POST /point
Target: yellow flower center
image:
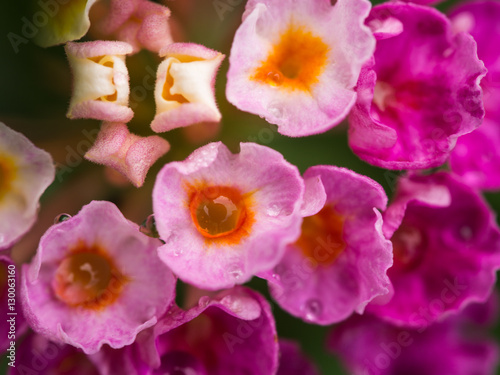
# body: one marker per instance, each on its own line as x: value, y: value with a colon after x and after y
x: 295, y: 62
x: 322, y: 236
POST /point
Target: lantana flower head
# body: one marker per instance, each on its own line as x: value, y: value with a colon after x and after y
x: 296, y: 63
x: 129, y: 154
x: 224, y: 217
x: 476, y: 158
x: 95, y: 279
x: 100, y: 81
x: 185, y: 81
x: 25, y: 172
x: 340, y: 261
x: 446, y: 250
x: 367, y: 345
x: 419, y: 93
x: 141, y: 23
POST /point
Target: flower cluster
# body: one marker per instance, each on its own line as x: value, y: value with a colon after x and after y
x: 405, y: 267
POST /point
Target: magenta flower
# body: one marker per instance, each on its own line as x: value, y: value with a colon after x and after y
x: 95, y: 279
x: 368, y: 345
x: 296, y: 63
x: 446, y: 250
x: 476, y: 157
x: 25, y: 172
x: 231, y: 334
x: 37, y: 355
x: 185, y: 82
x: 129, y: 154
x: 340, y: 261
x: 419, y: 93
x: 141, y: 23
x: 293, y: 361
x: 100, y: 81
x: 225, y: 217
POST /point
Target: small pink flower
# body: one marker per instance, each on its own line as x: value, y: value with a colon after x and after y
x: 100, y: 81
x: 340, y: 261
x: 96, y: 279
x: 25, y: 172
x: 224, y: 217
x: 185, y: 82
x: 141, y: 23
x: 419, y: 93
x: 296, y: 63
x: 129, y: 154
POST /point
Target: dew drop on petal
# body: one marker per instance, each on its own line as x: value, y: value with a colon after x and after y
x: 273, y: 210
x: 204, y: 301
x: 275, y: 110
x: 235, y: 272
x: 62, y: 217
x: 148, y: 227
x: 312, y: 309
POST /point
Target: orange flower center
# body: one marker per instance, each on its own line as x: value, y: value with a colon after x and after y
x: 322, y: 236
x: 7, y: 174
x: 218, y: 211
x: 295, y: 62
x: 88, y: 278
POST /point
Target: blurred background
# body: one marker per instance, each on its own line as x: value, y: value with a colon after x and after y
x: 35, y: 89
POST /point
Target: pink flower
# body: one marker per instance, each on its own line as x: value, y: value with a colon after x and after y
x: 225, y: 217
x: 95, y: 279
x: 232, y: 333
x: 340, y: 261
x: 446, y: 250
x: 141, y: 23
x: 100, y: 81
x: 25, y: 172
x: 296, y: 63
x: 476, y: 158
x: 367, y: 345
x: 185, y: 82
x: 129, y: 154
x: 419, y: 93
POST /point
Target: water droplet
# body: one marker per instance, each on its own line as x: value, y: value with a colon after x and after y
x: 235, y: 272
x: 275, y: 110
x: 313, y: 309
x: 204, y: 301
x: 148, y: 227
x: 275, y: 78
x: 62, y: 217
x: 177, y: 251
x: 276, y: 276
x: 273, y: 210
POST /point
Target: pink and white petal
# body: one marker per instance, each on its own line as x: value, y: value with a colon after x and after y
x: 31, y: 172
x: 314, y: 196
